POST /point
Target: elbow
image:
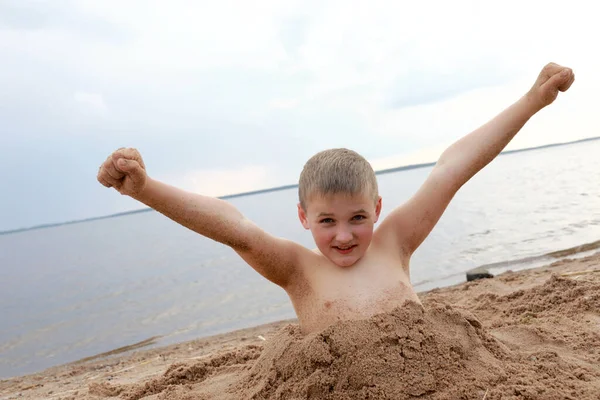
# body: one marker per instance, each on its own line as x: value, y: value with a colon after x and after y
x: 450, y: 176
x: 450, y: 158
x: 237, y: 245
x: 446, y: 157
x: 239, y: 236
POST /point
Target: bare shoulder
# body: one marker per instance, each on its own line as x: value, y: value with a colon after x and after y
x: 279, y: 260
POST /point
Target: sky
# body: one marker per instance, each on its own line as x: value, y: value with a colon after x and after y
x: 224, y: 97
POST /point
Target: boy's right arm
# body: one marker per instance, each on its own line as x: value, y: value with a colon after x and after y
x: 274, y: 258
x: 408, y: 225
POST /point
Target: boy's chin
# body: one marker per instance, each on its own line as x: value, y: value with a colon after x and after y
x: 344, y: 260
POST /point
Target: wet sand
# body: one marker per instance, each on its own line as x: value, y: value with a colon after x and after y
x: 532, y: 334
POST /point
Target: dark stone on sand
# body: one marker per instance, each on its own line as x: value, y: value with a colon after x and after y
x: 478, y: 273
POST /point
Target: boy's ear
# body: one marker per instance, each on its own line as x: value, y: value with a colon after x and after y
x: 302, y: 216
x: 377, y: 208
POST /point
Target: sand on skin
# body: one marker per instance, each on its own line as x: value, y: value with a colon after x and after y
x: 527, y: 335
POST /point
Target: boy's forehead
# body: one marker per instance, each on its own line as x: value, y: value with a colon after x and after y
x: 330, y: 203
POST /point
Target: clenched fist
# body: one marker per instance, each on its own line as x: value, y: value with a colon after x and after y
x: 125, y: 171
x: 553, y: 78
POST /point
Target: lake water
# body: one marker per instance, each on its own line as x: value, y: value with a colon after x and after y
x: 77, y: 290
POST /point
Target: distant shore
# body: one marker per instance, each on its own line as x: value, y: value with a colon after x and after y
x: 279, y: 188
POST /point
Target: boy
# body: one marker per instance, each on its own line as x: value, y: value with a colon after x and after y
x: 356, y: 271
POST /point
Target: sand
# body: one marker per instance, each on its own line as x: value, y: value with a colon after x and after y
x: 522, y: 335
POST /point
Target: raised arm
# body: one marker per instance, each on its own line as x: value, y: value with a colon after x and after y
x: 409, y: 224
x: 274, y: 258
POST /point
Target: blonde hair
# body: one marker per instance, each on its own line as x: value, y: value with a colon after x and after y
x: 337, y: 171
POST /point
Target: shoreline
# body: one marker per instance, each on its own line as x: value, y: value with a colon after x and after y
x: 135, y: 364
x: 279, y: 188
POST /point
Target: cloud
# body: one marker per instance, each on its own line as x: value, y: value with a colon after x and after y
x: 292, y: 33
x: 220, y: 182
x: 225, y: 86
x: 58, y: 15
x: 424, y: 86
x: 283, y: 103
x: 91, y: 103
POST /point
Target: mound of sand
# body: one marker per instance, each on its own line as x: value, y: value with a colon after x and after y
x: 408, y: 353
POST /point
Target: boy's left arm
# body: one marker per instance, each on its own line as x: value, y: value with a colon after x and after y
x: 408, y: 225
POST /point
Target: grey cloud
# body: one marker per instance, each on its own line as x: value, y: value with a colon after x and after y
x: 45, y: 181
x: 420, y: 87
x: 58, y: 15
x: 50, y: 154
x: 50, y: 177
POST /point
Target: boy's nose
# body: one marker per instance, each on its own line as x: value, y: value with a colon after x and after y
x: 343, y: 236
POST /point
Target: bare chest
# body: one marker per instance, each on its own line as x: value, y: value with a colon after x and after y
x: 336, y: 295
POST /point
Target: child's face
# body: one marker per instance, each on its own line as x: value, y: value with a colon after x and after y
x: 341, y: 224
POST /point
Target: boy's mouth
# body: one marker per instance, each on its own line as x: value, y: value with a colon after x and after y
x: 345, y: 249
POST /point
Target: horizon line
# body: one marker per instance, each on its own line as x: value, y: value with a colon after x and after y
x: 279, y: 188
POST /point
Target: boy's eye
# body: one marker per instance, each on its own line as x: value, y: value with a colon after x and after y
x: 358, y: 217
x: 326, y: 220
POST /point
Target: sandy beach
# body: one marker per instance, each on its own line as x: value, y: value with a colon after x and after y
x: 532, y: 334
